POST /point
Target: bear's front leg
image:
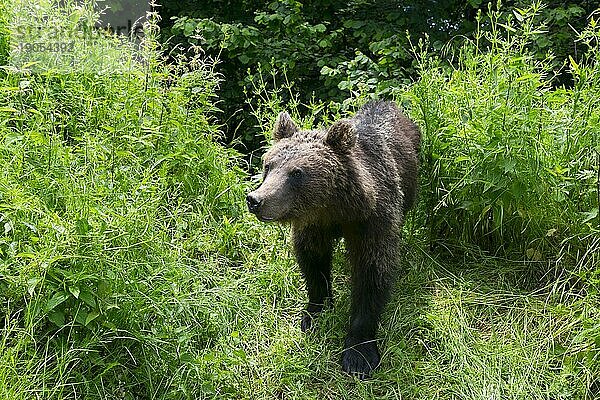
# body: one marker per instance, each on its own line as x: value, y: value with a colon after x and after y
x: 313, y: 247
x: 373, y: 255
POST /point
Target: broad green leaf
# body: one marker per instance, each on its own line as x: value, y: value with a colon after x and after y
x: 88, y: 298
x: 57, y: 318
x: 32, y: 283
x: 91, y: 316
x: 74, y: 291
x: 81, y: 317
x: 590, y: 215
x: 55, y: 300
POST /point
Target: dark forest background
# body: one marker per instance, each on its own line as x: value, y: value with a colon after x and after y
x: 333, y: 50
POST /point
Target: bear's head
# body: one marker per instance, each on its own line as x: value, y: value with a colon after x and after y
x: 305, y: 172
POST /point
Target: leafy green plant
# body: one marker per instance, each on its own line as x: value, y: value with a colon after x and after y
x: 4, y: 35
x: 509, y: 161
x: 130, y: 269
x: 334, y: 50
x: 119, y: 217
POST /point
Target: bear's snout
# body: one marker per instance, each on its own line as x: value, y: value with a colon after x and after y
x: 253, y: 202
x: 262, y: 206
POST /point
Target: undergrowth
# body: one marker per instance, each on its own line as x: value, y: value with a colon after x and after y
x: 512, y: 161
x: 130, y: 269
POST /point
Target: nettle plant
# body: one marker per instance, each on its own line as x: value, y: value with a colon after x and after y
x: 510, y: 161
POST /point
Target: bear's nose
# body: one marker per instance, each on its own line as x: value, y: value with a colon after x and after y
x: 253, y: 203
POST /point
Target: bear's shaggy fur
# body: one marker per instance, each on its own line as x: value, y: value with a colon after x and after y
x: 355, y: 180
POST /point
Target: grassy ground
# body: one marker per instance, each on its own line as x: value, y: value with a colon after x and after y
x: 482, y: 329
x: 129, y: 268
x: 475, y: 330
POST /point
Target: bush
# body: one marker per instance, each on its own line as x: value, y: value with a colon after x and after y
x: 129, y: 268
x: 119, y: 218
x: 510, y: 163
x: 333, y: 50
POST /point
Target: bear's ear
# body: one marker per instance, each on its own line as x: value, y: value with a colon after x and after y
x: 341, y: 136
x: 284, y: 126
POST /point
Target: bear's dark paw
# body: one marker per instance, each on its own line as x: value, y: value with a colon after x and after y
x: 309, y: 315
x: 307, y: 321
x: 360, y: 358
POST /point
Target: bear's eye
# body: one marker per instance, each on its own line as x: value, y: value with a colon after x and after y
x: 266, y: 168
x: 296, y: 173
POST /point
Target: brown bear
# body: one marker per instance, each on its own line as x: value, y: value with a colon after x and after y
x: 355, y: 180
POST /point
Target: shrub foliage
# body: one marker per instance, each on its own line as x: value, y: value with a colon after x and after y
x: 510, y: 161
x: 332, y: 49
x: 130, y: 269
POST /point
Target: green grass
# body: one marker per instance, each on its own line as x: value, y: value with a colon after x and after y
x: 129, y: 268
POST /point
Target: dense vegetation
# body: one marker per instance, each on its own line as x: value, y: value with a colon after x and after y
x: 332, y: 50
x: 130, y: 269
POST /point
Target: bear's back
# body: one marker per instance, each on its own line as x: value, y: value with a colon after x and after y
x: 389, y: 146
